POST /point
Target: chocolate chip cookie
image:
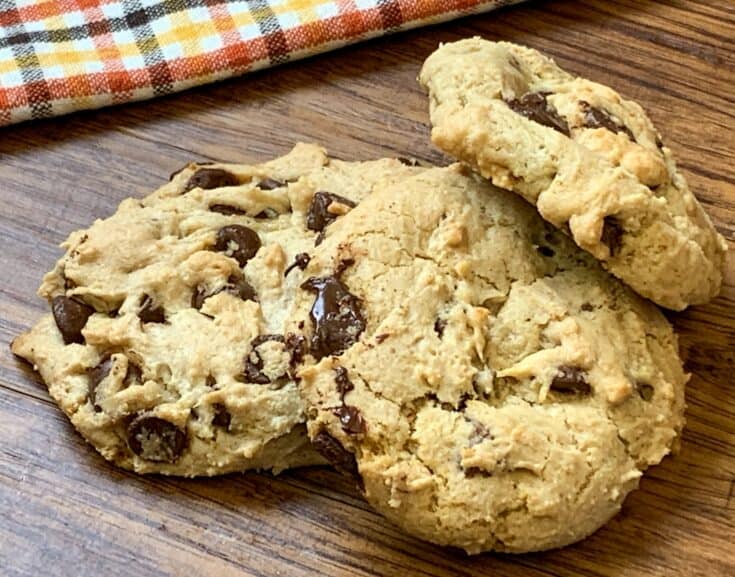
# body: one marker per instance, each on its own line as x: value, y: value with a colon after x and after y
x: 165, y: 344
x: 488, y: 384
x: 590, y: 161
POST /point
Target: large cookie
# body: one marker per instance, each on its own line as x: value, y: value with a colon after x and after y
x: 166, y: 344
x: 487, y: 382
x: 591, y: 162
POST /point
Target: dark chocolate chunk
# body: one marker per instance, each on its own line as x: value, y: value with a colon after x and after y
x: 300, y: 261
x: 96, y: 375
x: 237, y: 241
x: 339, y: 457
x: 598, y: 118
x: 226, y: 209
x: 439, y: 326
x: 236, y: 284
x: 270, y: 184
x: 149, y: 312
x: 645, y: 391
x: 222, y: 417
x: 344, y: 384
x: 155, y: 439
x: 534, y: 106
x: 571, y: 380
x: 612, y: 234
x: 70, y: 315
x: 254, y: 362
x: 350, y: 419
x: 209, y: 178
x: 335, y: 315
x: 319, y: 217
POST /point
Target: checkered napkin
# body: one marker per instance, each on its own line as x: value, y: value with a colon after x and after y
x: 57, y: 56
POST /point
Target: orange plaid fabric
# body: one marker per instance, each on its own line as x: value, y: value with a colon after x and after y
x: 57, y: 56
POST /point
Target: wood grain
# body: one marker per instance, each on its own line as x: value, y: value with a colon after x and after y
x: 64, y: 511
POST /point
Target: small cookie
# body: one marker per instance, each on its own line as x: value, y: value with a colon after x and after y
x: 165, y: 346
x: 591, y: 162
x: 488, y: 383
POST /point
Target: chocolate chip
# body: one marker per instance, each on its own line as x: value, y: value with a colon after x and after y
x: 222, y: 417
x: 226, y: 209
x: 149, y: 312
x: 339, y: 457
x: 175, y: 172
x: 70, y: 315
x: 133, y: 375
x: 267, y: 213
x: 254, y: 362
x: 587, y: 307
x: 335, y: 316
x: 645, y: 391
x: 270, y: 184
x: 534, y: 106
x: 155, y: 439
x: 598, y: 118
x: 570, y: 380
x: 210, y: 381
x: 319, y: 217
x: 408, y: 161
x: 239, y: 242
x: 350, y: 419
x: 296, y: 347
x: 300, y: 261
x: 612, y: 234
x: 199, y: 296
x: 344, y: 384
x: 439, y: 326
x: 95, y: 376
x: 209, y: 178
x: 545, y: 251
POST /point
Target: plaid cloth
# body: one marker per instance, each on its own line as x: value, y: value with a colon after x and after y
x: 57, y: 56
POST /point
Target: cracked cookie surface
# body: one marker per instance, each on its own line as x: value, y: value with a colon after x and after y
x: 489, y: 385
x: 165, y: 346
x: 590, y: 161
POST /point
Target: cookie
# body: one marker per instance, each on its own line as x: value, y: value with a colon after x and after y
x: 165, y: 345
x: 591, y: 162
x: 488, y: 384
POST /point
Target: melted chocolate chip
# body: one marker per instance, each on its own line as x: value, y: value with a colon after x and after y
x: 534, y: 106
x: 239, y: 286
x: 598, y: 118
x: 155, y: 439
x: 96, y: 375
x: 645, y: 391
x: 254, y: 362
x: 571, y: 380
x: 336, y: 316
x: 239, y: 242
x: 222, y: 417
x: 612, y: 234
x: 149, y: 312
x: 439, y: 326
x: 226, y: 209
x: 339, y: 457
x: 270, y: 184
x: 408, y: 161
x: 300, y: 261
x: 209, y: 178
x: 350, y: 419
x: 319, y: 217
x: 70, y: 315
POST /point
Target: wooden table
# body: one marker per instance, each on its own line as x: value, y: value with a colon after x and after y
x: 65, y: 511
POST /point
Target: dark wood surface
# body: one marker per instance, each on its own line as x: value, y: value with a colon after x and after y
x: 65, y: 511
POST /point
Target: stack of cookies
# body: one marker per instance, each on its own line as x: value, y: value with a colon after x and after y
x: 468, y: 342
